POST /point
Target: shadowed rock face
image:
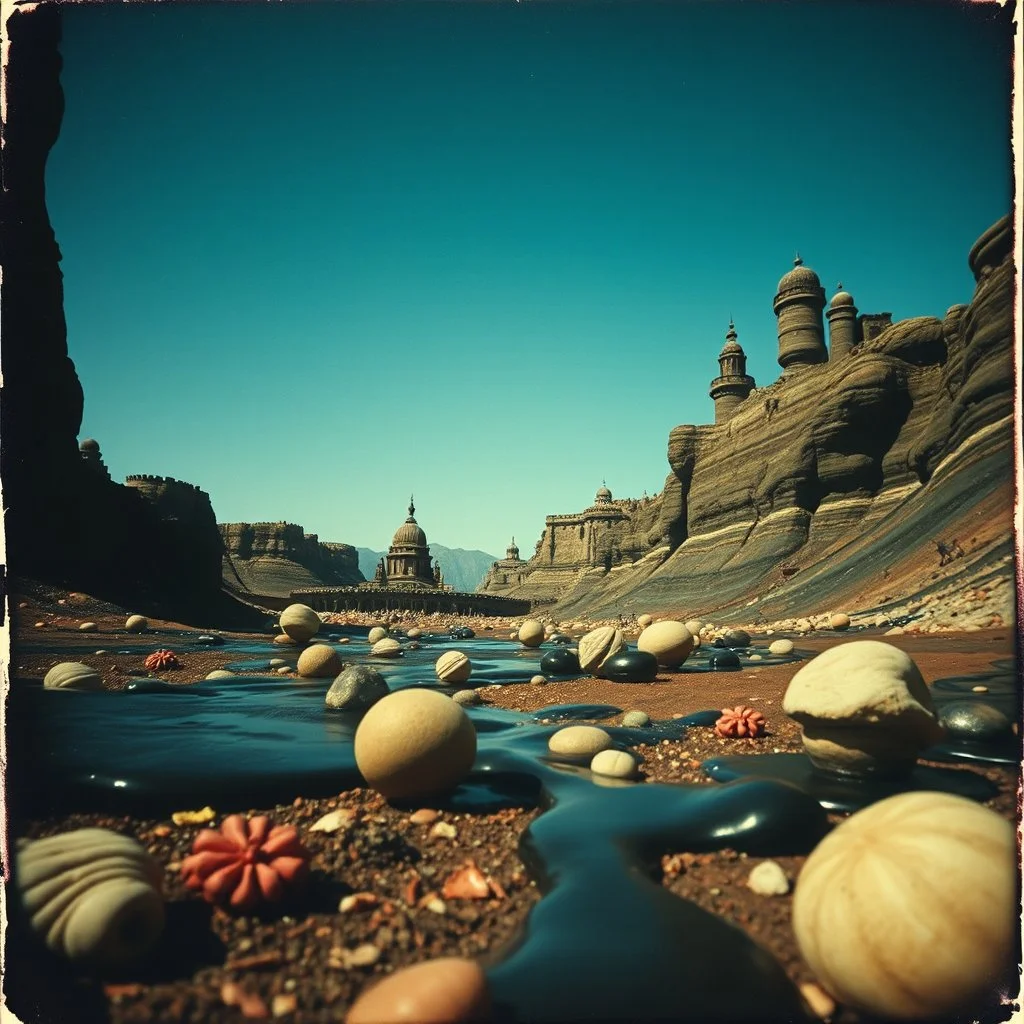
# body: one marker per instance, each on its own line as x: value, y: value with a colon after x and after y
x: 826, y: 454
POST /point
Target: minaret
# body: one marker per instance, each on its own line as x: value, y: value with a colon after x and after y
x: 512, y: 552
x: 732, y: 385
x: 842, y: 324
x: 798, y: 305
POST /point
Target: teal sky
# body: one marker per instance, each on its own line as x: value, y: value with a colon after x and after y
x: 320, y: 256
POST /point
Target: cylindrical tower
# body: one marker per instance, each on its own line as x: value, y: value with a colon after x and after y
x: 732, y: 385
x: 842, y: 324
x: 798, y: 305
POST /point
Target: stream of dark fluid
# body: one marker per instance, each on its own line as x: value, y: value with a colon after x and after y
x: 606, y: 942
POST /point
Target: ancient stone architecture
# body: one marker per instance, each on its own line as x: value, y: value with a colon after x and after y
x: 408, y: 565
x: 842, y: 324
x: 798, y: 305
x: 508, y: 572
x: 732, y: 385
x: 93, y: 458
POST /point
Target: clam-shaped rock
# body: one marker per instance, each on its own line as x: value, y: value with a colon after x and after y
x: 136, y: 624
x: 863, y: 708
x: 386, y: 648
x: 357, y: 688
x: 320, y: 661
x: 414, y: 742
x: 246, y: 863
x: 453, y: 667
x: 531, y: 633
x: 72, y: 675
x: 908, y: 909
x: 92, y: 895
x: 300, y: 622
x: 376, y: 635
x: 670, y: 642
x: 598, y: 645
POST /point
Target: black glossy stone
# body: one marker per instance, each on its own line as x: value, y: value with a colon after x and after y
x: 463, y: 633
x: 719, y: 642
x: 560, y: 662
x: 723, y: 661
x: 630, y: 667
x: 560, y: 638
x: 976, y: 721
x: 210, y: 640
x: 737, y: 638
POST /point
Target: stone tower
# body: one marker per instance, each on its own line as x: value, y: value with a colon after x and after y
x: 409, y: 563
x: 732, y: 385
x: 798, y: 305
x: 842, y: 324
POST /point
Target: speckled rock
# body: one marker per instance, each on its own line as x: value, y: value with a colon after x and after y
x: 453, y: 667
x: 670, y: 642
x: 72, y: 675
x: 780, y: 647
x: 579, y: 741
x: 538, y: 680
x: 414, y: 742
x: 616, y: 764
x: 976, y: 721
x: 531, y: 633
x: 386, y: 648
x: 358, y: 688
x: 320, y: 661
x: 863, y: 708
x: 136, y: 624
x: 598, y: 645
x: 300, y: 622
x: 636, y: 719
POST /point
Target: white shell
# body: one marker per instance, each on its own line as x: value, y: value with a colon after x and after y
x: 598, y: 645
x: 92, y: 895
x: 72, y: 675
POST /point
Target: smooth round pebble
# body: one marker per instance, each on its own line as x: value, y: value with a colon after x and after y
x: 618, y: 764
x: 386, y: 648
x: 284, y: 671
x: 538, y: 680
x: 723, y: 660
x: 975, y: 720
x: 630, y: 667
x: 88, y: 627
x: 755, y: 657
x: 220, y: 673
x: 768, y: 879
x: 531, y: 633
x: 736, y: 638
x: 694, y: 626
x: 636, y: 719
x: 467, y: 698
x: 277, y: 663
x: 320, y: 661
x: 136, y: 624
x: 643, y: 621
x: 284, y: 640
x: 579, y: 741
x: 453, y: 667
x: 376, y: 634
x: 670, y: 642
x: 560, y: 662
x: 300, y: 622
x: 780, y: 647
x: 839, y: 620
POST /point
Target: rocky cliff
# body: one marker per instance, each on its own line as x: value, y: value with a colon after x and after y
x: 276, y: 558
x: 824, y: 480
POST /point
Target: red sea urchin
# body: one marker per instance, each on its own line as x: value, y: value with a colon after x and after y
x: 162, y: 659
x: 246, y: 862
x: 740, y: 721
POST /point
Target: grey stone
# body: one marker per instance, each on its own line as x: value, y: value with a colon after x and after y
x: 356, y: 689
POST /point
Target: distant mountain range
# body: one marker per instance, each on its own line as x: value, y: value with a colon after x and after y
x: 463, y: 570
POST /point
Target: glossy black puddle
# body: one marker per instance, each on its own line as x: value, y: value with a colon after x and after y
x: 607, y: 941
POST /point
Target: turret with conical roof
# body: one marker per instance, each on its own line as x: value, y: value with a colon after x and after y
x: 733, y: 384
x: 798, y: 305
x: 842, y: 324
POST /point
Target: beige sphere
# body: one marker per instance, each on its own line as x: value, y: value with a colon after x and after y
x: 531, y: 633
x: 643, y: 621
x: 137, y: 624
x: 300, y: 622
x: 376, y: 635
x: 782, y: 646
x: 839, y: 620
x: 453, y: 667
x: 320, y: 661
x: 618, y: 764
x: 284, y: 640
x: 669, y: 641
x: 694, y: 626
x: 415, y: 633
x: 88, y: 627
x: 579, y: 741
x: 907, y: 909
x: 72, y: 675
x: 445, y: 991
x: 386, y: 648
x: 414, y: 742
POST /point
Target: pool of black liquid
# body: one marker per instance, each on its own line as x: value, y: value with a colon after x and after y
x: 606, y: 942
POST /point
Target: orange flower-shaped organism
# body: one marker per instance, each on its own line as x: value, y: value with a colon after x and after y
x: 740, y: 721
x: 162, y: 659
x: 246, y: 863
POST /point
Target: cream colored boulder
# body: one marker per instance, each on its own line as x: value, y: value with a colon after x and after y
x: 579, y: 741
x: 453, y: 667
x: 694, y: 626
x: 643, y: 621
x: 669, y: 641
x: 221, y: 673
x: 908, y: 908
x: 300, y: 622
x: 72, y: 675
x: 376, y: 635
x: 284, y: 640
x: 597, y: 646
x: 839, y: 620
x: 136, y: 624
x: 863, y: 708
x: 780, y: 647
x: 88, y: 627
x: 617, y: 764
x: 415, y: 742
x: 386, y: 648
x: 442, y: 991
x: 531, y: 633
x: 320, y: 661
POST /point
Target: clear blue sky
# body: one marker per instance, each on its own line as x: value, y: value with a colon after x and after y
x: 320, y: 256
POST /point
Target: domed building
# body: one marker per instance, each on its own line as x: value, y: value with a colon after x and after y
x: 506, y: 573
x: 842, y: 324
x: 798, y: 305
x: 733, y: 384
x: 408, y: 563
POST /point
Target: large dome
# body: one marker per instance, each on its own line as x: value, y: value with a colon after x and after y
x: 409, y: 534
x: 800, y: 277
x: 603, y: 495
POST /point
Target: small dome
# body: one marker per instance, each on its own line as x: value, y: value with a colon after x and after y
x: 800, y: 277
x: 732, y: 346
x: 841, y: 298
x: 409, y: 534
x: 88, y: 444
x: 603, y: 494
x: 512, y: 552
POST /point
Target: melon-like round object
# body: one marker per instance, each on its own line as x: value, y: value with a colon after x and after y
x: 136, y: 624
x: 376, y: 635
x: 597, y: 646
x: 72, y: 675
x: 320, y: 661
x: 839, y: 620
x: 300, y: 622
x: 669, y: 641
x: 908, y: 908
x: 453, y: 667
x: 414, y: 742
x: 531, y: 633
x: 782, y: 646
x: 386, y: 648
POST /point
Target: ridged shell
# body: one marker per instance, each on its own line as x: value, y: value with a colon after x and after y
x: 599, y: 644
x: 386, y: 648
x: 72, y: 675
x: 92, y: 895
x: 300, y: 622
x: 453, y: 667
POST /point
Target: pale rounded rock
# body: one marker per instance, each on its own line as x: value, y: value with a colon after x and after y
x: 597, y: 646
x: 415, y: 633
x: 694, y: 626
x: 300, y: 622
x: 320, y: 661
x: 768, y: 879
x: 88, y: 627
x: 539, y: 680
x: 376, y: 635
x: 220, y: 673
x: 136, y: 624
x: 669, y: 641
x: 781, y: 647
x: 277, y: 662
x: 636, y: 719
x: 531, y: 633
x: 579, y: 741
x: 284, y: 640
x: 467, y: 698
x: 414, y: 742
x: 358, y: 688
x: 907, y: 908
x: 285, y: 670
x: 453, y: 667
x: 617, y: 764
x: 72, y: 675
x: 643, y: 621
x: 839, y: 620
x: 386, y: 648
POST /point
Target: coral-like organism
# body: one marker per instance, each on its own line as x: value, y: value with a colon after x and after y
x: 159, y: 660
x: 740, y: 721
x: 246, y: 862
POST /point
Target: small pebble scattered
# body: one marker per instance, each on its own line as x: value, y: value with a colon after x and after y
x: 768, y: 879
